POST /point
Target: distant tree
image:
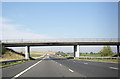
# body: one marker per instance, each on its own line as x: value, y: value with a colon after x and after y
x: 91, y: 53
x: 64, y: 54
x: 106, y: 51
x: 80, y: 53
x: 61, y: 53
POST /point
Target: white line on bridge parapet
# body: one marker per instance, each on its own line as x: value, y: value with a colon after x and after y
x: 60, y: 39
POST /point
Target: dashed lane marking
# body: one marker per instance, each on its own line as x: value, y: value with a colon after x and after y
x: 113, y: 68
x: 60, y: 64
x: 71, y: 70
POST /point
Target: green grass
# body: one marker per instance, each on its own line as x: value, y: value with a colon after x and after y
x: 61, y: 57
x: 93, y: 55
x: 35, y: 55
x: 96, y: 55
x: 12, y: 63
x: 103, y: 60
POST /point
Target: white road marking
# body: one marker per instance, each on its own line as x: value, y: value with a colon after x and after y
x: 44, y: 58
x: 71, y: 70
x: 60, y: 64
x: 113, y: 68
x: 85, y: 63
x: 26, y: 70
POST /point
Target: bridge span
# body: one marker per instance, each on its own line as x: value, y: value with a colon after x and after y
x: 76, y: 45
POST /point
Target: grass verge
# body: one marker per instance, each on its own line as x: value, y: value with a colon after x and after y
x: 103, y: 60
x: 36, y: 56
x: 94, y: 55
x: 60, y: 57
x: 2, y: 65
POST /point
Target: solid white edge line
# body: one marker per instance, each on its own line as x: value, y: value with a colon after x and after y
x: 113, y: 68
x: 71, y: 70
x: 26, y: 70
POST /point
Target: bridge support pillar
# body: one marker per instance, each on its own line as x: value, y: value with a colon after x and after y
x: 27, y: 52
x: 76, y: 51
x: 118, y: 50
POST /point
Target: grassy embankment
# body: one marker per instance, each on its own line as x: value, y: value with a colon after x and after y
x: 98, y: 55
x: 9, y: 54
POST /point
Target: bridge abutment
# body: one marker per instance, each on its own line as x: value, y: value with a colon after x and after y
x: 76, y: 51
x: 118, y: 54
x: 27, y: 52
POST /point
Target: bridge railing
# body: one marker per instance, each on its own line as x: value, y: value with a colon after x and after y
x: 59, y: 39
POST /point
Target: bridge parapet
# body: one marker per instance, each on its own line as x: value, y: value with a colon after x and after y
x: 59, y: 40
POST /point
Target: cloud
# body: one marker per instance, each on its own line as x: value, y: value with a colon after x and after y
x: 13, y: 31
x: 4, y: 20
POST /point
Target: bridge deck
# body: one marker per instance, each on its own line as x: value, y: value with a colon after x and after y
x: 59, y: 43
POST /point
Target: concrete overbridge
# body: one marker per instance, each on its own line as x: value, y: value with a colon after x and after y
x: 76, y: 45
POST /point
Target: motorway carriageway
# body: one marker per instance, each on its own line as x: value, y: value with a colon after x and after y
x: 49, y: 66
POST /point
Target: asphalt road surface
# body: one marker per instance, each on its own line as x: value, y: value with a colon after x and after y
x: 58, y: 67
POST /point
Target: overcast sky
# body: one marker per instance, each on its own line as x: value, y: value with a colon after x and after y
x: 46, y: 20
